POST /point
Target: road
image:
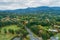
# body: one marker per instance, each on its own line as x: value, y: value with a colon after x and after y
x: 32, y: 37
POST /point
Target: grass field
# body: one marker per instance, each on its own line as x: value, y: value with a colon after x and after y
x: 8, y: 36
x: 14, y: 27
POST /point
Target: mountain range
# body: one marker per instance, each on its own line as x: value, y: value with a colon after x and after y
x: 36, y: 9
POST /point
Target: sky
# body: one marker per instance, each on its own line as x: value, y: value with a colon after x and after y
x: 22, y: 4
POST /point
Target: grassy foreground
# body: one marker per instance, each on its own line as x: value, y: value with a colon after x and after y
x: 8, y: 36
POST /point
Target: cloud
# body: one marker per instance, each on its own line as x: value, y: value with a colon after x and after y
x: 16, y: 4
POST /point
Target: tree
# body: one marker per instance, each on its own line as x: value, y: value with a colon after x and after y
x: 11, y: 31
x: 5, y: 31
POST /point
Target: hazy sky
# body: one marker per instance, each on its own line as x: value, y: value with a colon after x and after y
x: 16, y: 4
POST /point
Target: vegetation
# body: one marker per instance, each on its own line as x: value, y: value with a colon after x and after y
x: 12, y: 24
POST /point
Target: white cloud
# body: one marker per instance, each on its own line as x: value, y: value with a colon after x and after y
x: 15, y: 4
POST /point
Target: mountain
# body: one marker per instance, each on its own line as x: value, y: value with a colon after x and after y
x: 36, y: 9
